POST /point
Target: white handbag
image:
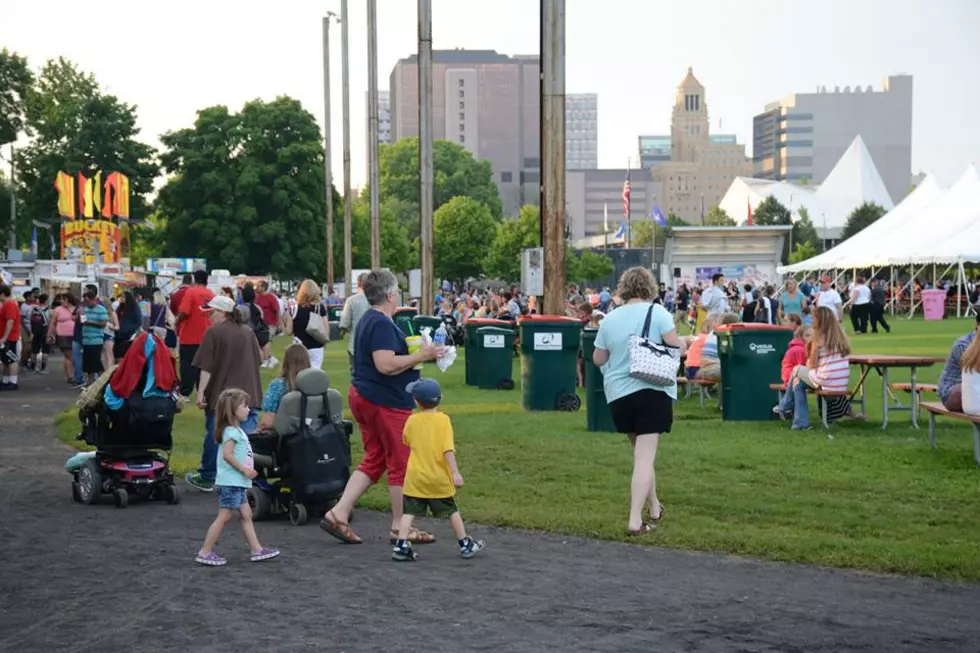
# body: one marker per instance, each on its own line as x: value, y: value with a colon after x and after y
x: 652, y: 362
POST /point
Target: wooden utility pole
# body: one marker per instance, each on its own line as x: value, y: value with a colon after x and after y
x: 373, y: 176
x: 348, y: 200
x: 328, y: 174
x: 553, y: 154
x: 426, y: 184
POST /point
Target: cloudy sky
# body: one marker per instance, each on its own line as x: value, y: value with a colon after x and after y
x: 173, y: 58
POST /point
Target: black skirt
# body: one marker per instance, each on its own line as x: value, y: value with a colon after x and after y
x: 643, y: 412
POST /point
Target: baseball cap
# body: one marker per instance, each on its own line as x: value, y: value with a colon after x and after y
x: 426, y: 391
x: 219, y: 303
x: 825, y: 279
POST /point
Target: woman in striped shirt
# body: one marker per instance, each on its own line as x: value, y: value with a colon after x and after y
x: 827, y: 367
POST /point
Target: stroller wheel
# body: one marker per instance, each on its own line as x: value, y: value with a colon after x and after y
x: 75, y: 495
x: 122, y: 497
x: 89, y: 482
x: 259, y: 502
x: 171, y: 495
x: 297, y: 514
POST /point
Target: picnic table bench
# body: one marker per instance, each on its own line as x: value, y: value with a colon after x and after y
x: 825, y: 394
x: 882, y: 363
x: 701, y: 384
x: 935, y: 408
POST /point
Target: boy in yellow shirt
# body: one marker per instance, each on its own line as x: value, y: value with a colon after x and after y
x: 432, y: 476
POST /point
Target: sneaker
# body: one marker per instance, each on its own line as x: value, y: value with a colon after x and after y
x: 7, y: 387
x: 273, y: 361
x: 471, y: 547
x: 801, y: 428
x: 265, y: 553
x: 404, y: 554
x: 195, y: 480
x: 211, y: 560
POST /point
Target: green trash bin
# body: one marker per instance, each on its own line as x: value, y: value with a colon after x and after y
x: 430, y: 321
x: 471, y: 355
x: 549, y: 357
x: 493, y: 354
x: 751, y: 358
x: 403, y: 319
x: 333, y: 312
x: 597, y: 415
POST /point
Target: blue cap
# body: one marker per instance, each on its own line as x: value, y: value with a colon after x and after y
x: 426, y: 391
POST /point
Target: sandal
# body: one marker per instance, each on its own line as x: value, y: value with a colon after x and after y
x: 415, y: 536
x: 341, y: 530
x: 656, y: 520
x: 645, y: 529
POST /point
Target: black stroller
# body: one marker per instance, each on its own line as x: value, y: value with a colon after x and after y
x: 303, y: 463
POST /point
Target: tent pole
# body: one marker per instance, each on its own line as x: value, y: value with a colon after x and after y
x: 891, y: 288
x: 934, y: 276
x: 960, y: 285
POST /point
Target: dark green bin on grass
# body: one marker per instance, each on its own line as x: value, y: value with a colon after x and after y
x: 471, y: 326
x: 403, y: 320
x: 333, y: 312
x: 549, y: 358
x: 493, y: 358
x: 751, y: 358
x: 597, y: 415
x: 430, y: 321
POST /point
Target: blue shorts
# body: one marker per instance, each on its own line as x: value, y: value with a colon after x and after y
x: 229, y: 497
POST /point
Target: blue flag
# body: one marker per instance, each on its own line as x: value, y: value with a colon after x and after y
x: 658, y: 216
x: 34, y: 241
x: 621, y: 232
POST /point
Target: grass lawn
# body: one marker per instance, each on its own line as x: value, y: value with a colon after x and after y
x: 868, y: 499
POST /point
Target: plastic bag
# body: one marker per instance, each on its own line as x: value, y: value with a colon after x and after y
x: 440, y: 337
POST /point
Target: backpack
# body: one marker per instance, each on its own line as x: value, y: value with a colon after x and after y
x: 39, y: 318
x: 761, y: 313
x: 257, y: 324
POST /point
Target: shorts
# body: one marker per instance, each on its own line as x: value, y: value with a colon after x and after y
x: 439, y: 508
x: 92, y: 359
x: 63, y: 343
x: 230, y: 497
x: 10, y: 353
x: 40, y: 344
x: 382, y: 431
x: 643, y: 412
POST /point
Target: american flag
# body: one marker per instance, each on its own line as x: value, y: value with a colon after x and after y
x: 626, y: 195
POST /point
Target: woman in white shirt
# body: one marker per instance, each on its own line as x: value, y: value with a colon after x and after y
x: 860, y: 303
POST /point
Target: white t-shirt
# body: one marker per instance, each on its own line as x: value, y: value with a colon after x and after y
x: 714, y: 300
x: 831, y: 299
x: 861, y: 294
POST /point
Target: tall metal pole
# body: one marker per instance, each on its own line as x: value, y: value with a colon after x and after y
x: 553, y: 153
x: 373, y: 181
x: 13, y: 201
x: 346, y: 99
x: 426, y: 184
x: 327, y: 145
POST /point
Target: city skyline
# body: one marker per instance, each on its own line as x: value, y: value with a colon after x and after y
x: 218, y: 61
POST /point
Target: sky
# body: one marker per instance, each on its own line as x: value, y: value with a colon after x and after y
x: 174, y: 58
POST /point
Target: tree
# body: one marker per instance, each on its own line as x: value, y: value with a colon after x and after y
x: 717, y: 217
x: 148, y: 240
x: 645, y: 231
x: 770, y: 212
x: 802, y: 252
x: 587, y: 266
x: 76, y: 127
x: 455, y: 173
x: 804, y: 231
x: 16, y: 80
x: 247, y: 191
x: 460, y: 230
x: 512, y: 237
x: 862, y: 217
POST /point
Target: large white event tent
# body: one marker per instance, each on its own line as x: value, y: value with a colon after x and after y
x: 853, y: 181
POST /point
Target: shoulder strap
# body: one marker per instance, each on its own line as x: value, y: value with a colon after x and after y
x: 302, y: 413
x: 646, y: 323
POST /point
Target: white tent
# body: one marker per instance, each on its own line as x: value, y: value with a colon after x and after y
x: 749, y: 191
x: 852, y: 182
x: 928, y: 193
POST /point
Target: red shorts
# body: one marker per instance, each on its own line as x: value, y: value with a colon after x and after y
x: 382, y: 431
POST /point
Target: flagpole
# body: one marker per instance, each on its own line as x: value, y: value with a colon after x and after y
x: 629, y: 207
x: 605, y: 225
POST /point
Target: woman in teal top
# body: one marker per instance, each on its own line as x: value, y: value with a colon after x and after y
x: 791, y: 301
x: 641, y: 410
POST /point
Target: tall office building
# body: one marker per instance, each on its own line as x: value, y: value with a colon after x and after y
x: 384, y: 122
x: 581, y: 131
x: 803, y: 135
x: 701, y: 166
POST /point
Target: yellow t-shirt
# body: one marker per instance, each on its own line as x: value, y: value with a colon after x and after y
x: 430, y: 436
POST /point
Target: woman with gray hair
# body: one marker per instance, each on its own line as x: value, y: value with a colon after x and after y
x: 382, y: 368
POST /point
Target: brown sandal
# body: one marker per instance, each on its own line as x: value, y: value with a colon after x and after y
x: 656, y: 520
x: 415, y: 536
x: 341, y: 530
x: 645, y: 529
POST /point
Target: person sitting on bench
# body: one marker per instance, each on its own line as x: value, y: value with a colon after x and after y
x: 950, y: 387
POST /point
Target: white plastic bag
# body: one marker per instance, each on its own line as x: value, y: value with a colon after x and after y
x: 971, y: 393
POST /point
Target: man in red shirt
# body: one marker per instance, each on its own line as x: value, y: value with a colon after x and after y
x: 9, y: 338
x: 178, y: 295
x: 269, y: 304
x: 192, y: 322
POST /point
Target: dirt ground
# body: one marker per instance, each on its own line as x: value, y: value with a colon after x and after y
x: 93, y: 578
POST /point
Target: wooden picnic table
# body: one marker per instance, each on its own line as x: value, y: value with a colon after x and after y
x: 881, y: 363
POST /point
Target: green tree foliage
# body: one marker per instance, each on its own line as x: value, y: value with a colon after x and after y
x: 16, y: 80
x: 804, y: 231
x: 644, y: 231
x: 462, y: 227
x: 717, y: 217
x: 148, y: 240
x: 863, y: 216
x: 247, y: 191
x: 76, y: 127
x: 770, y: 212
x: 455, y: 172
x: 584, y: 266
x: 802, y: 252
x: 512, y: 237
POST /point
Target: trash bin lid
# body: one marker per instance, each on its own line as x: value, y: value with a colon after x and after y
x: 488, y: 321
x: 495, y: 329
x: 406, y: 309
x: 551, y: 319
x: 752, y: 326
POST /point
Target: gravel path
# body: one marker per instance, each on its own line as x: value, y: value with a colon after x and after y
x: 92, y: 578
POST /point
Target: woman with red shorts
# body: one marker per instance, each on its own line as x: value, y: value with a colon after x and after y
x: 381, y: 405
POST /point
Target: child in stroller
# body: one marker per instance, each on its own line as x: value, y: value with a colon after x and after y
x: 303, y: 462
x: 129, y: 421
